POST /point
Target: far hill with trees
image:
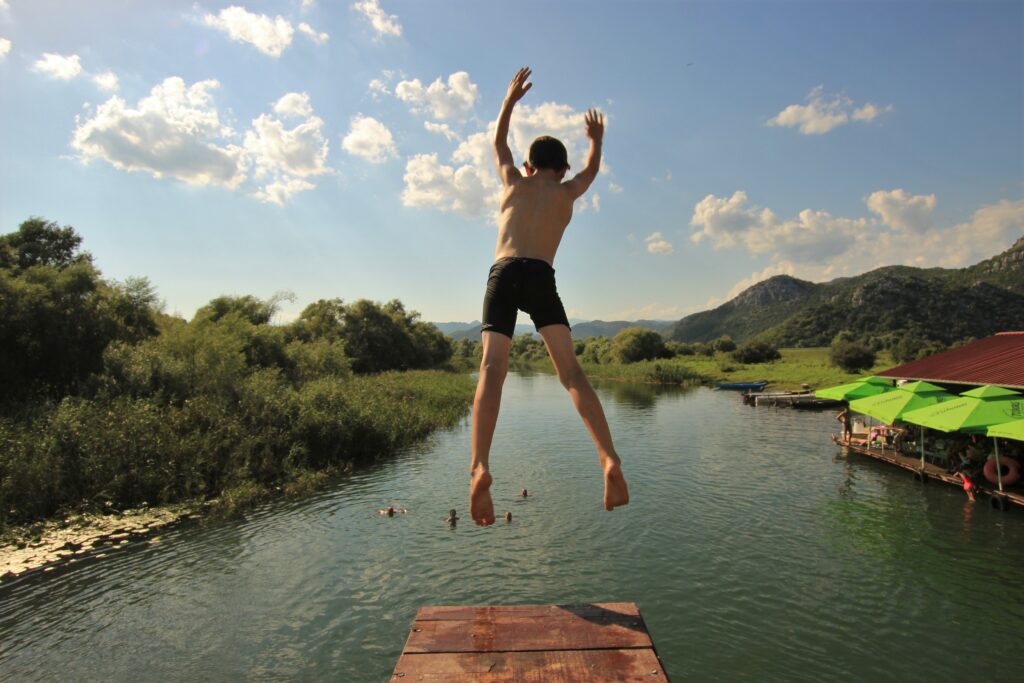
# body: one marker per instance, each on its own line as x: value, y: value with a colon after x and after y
x: 882, y: 306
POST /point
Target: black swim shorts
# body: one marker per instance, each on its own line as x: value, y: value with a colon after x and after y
x: 521, y: 284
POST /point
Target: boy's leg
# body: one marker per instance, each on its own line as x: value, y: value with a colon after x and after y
x: 493, y: 369
x: 559, y: 343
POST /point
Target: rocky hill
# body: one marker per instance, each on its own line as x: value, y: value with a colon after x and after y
x: 944, y: 305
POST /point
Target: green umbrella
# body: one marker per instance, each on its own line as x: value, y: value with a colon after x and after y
x: 891, y: 405
x: 975, y: 410
x: 1008, y: 430
x: 868, y: 386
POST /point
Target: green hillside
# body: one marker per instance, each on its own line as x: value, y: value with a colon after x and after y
x: 939, y: 304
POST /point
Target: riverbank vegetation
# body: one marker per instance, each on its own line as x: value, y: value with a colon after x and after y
x: 111, y: 404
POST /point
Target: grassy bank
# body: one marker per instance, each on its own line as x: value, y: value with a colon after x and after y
x: 125, y: 452
x: 795, y: 368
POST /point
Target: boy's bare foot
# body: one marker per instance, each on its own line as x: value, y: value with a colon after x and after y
x: 615, y: 491
x: 481, y: 507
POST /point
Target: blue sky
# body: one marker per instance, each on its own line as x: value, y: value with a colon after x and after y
x: 334, y: 148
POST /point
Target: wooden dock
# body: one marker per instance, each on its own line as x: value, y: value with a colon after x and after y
x: 1010, y: 495
x: 530, y: 644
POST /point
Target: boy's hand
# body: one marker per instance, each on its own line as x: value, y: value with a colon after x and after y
x: 518, y: 87
x: 594, y: 121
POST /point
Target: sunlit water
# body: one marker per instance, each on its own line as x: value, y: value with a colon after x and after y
x: 755, y: 552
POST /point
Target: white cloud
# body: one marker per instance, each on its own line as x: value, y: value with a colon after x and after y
x: 316, y: 37
x: 378, y: 88
x: 294, y: 104
x: 468, y: 190
x: 818, y: 246
x: 442, y: 129
x: 370, y: 139
x: 383, y: 23
x: 308, y: 4
x: 271, y: 36
x: 58, y: 66
x: 4, y: 4
x: 299, y: 151
x: 5, y: 47
x: 456, y: 99
x: 468, y: 184
x: 656, y: 244
x: 655, y: 311
x: 175, y: 131
x: 106, y: 81
x: 280, y: 191
x: 614, y: 187
x: 901, y: 210
x: 823, y: 113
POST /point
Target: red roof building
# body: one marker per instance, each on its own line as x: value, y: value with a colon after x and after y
x: 997, y: 360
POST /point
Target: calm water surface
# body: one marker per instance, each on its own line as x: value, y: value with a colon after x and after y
x: 755, y: 551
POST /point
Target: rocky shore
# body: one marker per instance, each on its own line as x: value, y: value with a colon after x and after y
x: 66, y: 541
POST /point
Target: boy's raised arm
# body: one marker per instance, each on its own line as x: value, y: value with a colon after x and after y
x: 594, y: 121
x: 503, y: 155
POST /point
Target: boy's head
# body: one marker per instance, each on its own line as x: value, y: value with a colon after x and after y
x: 549, y: 153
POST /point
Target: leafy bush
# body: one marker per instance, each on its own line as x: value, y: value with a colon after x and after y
x: 910, y: 348
x: 724, y: 344
x: 635, y: 344
x: 852, y: 356
x: 756, y: 352
x: 596, y: 350
x: 677, y: 348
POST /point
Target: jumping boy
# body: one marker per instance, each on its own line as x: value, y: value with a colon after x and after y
x: 535, y: 211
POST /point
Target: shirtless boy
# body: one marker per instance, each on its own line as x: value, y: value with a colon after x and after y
x: 535, y: 210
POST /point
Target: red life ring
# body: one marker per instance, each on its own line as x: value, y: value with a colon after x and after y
x: 1011, y: 476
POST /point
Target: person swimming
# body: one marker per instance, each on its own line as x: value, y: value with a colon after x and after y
x: 391, y: 511
x: 452, y: 517
x: 508, y: 516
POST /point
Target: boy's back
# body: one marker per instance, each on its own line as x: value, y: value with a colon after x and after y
x: 534, y: 214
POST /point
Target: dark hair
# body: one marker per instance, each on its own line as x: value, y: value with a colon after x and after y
x: 548, y: 152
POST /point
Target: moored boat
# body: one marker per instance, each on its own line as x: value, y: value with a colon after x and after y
x: 743, y: 386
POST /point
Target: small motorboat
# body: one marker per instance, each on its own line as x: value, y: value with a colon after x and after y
x: 743, y: 386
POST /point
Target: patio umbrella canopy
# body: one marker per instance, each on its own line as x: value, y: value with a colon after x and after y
x: 891, y: 405
x: 974, y: 410
x: 1008, y: 430
x: 862, y: 388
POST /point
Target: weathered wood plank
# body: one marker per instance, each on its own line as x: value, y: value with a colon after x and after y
x: 513, y: 633
x: 461, y: 612
x: 564, y: 666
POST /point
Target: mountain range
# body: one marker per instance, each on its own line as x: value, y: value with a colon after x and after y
x: 942, y: 304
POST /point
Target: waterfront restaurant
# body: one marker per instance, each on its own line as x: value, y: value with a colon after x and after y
x: 987, y: 374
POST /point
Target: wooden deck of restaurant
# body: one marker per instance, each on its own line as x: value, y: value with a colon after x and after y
x: 1013, y: 495
x: 530, y: 643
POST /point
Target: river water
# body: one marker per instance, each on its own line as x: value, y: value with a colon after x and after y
x: 755, y: 551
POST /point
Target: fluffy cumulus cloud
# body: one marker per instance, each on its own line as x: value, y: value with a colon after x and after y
x: 175, y: 131
x: 285, y: 157
x: 454, y: 99
x: 468, y: 185
x: 383, y: 24
x: 5, y: 47
x: 271, y: 36
x: 816, y: 245
x: 106, y: 81
x: 823, y: 112
x: 313, y: 34
x: 58, y: 66
x: 369, y: 139
x: 656, y: 244
x: 441, y: 129
x: 900, y: 210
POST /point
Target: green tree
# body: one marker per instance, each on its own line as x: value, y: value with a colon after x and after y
x: 852, y: 356
x: 636, y: 344
x: 724, y: 344
x: 756, y: 352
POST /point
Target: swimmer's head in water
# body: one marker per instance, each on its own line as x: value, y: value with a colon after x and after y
x: 508, y: 516
x: 549, y: 153
x: 451, y: 513
x: 523, y: 493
